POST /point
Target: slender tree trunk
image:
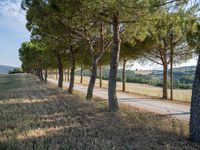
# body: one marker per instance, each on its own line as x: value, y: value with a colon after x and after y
x: 112, y: 95
x: 65, y: 72
x: 60, y: 79
x: 195, y: 107
x: 56, y: 74
x: 171, y: 69
x: 124, y: 76
x: 60, y: 71
x: 81, y: 80
x: 46, y: 75
x: 38, y: 74
x: 100, y: 76
x: 165, y: 80
x: 92, y: 80
x: 41, y: 75
x: 71, y: 83
x: 68, y: 74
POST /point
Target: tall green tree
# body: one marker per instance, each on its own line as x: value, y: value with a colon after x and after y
x: 171, y: 46
x: 194, y: 41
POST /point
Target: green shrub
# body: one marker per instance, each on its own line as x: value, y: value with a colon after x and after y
x: 15, y: 71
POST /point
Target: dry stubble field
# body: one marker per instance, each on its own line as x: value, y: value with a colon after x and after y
x: 39, y: 116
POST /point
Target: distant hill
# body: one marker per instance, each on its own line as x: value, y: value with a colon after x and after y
x: 5, y: 69
x: 187, y: 68
x: 183, y: 76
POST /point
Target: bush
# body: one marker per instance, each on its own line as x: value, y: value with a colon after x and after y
x: 15, y: 71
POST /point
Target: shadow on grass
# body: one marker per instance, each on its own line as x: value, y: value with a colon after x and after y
x: 62, y: 121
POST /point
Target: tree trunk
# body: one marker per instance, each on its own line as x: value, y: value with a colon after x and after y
x: 92, y: 80
x: 46, y: 75
x: 195, y: 107
x: 38, y: 74
x: 112, y: 95
x: 60, y: 71
x: 81, y: 80
x: 71, y: 83
x: 56, y: 74
x: 65, y: 72
x: 164, y: 80
x: 53, y: 74
x: 100, y: 76
x: 41, y: 74
x: 171, y: 79
x: 171, y: 69
x: 124, y: 76
x: 68, y: 74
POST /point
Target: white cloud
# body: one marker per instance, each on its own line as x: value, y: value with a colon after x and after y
x: 12, y: 16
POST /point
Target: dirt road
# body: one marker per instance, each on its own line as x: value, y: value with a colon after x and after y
x: 163, y: 107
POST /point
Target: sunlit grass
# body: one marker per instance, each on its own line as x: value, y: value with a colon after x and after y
x: 45, y: 117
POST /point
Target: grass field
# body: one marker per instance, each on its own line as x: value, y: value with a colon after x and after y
x: 39, y: 116
x: 144, y: 89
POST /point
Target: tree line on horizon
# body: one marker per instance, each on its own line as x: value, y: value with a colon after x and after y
x: 66, y: 35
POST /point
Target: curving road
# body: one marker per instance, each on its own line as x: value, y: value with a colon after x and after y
x: 163, y: 107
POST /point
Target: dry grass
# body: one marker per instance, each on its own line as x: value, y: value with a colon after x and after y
x: 144, y: 89
x: 42, y: 117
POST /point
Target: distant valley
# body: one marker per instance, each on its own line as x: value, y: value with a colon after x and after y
x: 183, y: 76
x: 5, y: 69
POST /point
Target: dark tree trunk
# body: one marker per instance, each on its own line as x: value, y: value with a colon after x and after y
x: 81, y: 80
x: 60, y: 77
x: 41, y: 74
x: 195, y: 107
x: 124, y: 76
x: 100, y: 76
x: 171, y: 68
x: 38, y: 74
x: 171, y: 79
x: 60, y: 71
x: 71, y: 83
x: 112, y: 95
x: 92, y: 80
x: 164, y: 80
x: 56, y: 74
x: 46, y: 75
x: 68, y: 74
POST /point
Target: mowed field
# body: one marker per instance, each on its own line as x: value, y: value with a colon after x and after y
x: 144, y: 89
x: 39, y: 116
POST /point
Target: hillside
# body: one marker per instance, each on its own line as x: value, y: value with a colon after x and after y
x: 183, y: 76
x: 5, y: 69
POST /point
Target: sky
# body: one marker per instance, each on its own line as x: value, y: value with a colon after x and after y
x: 13, y: 32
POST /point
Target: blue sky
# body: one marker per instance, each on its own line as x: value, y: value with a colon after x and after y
x: 13, y: 32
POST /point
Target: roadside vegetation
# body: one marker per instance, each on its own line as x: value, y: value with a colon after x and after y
x: 35, y: 115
